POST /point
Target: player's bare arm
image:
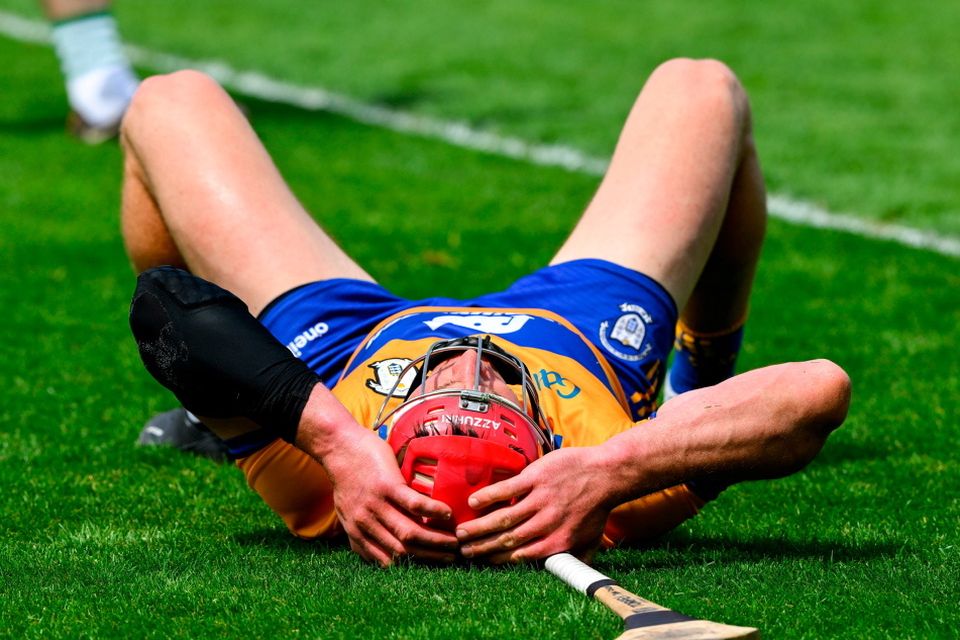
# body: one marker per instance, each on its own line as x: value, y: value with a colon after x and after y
x: 373, y: 502
x: 762, y: 424
x: 200, y: 342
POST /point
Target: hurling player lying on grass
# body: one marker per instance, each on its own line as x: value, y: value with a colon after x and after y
x: 506, y: 427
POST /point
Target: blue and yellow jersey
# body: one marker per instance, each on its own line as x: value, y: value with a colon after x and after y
x: 581, y: 378
x: 579, y: 391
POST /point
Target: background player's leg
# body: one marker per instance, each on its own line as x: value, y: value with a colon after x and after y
x: 683, y: 199
x: 97, y: 74
x: 200, y: 191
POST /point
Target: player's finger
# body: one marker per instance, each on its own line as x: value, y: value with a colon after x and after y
x: 502, y: 491
x: 418, y: 504
x: 369, y: 552
x: 542, y: 541
x: 492, y: 524
x: 505, y: 541
x: 412, y: 533
x: 379, y: 541
x: 535, y: 550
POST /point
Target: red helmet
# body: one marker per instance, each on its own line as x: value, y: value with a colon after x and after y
x: 452, y: 442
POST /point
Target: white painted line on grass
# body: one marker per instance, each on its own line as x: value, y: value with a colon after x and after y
x: 461, y: 134
x: 810, y: 215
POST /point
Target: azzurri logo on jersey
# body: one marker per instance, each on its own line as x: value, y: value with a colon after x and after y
x: 624, y: 336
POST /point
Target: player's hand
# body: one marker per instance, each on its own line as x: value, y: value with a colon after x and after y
x: 381, y: 515
x: 562, y: 504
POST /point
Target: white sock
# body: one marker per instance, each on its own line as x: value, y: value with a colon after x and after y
x: 101, y: 96
x: 99, y: 79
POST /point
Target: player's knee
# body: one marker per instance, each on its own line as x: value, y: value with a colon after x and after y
x: 705, y: 84
x: 706, y: 77
x: 163, y: 96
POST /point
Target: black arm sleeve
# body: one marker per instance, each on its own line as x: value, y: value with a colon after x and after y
x: 200, y: 341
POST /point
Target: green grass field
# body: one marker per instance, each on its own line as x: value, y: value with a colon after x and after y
x: 855, y: 107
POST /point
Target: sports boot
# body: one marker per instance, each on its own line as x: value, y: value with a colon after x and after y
x: 181, y: 430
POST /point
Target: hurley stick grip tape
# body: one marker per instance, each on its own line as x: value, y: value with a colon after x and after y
x: 577, y: 574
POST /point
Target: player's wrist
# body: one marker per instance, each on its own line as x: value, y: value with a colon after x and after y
x: 619, y: 464
x: 326, y: 427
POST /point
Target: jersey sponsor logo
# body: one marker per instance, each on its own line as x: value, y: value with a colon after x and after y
x: 303, y: 339
x: 555, y: 382
x: 385, y: 374
x: 628, y: 331
x: 482, y: 321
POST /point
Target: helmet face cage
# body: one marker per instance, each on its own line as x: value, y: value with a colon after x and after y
x: 473, y: 399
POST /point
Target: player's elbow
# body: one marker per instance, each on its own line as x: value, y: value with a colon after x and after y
x: 821, y: 402
x: 829, y: 393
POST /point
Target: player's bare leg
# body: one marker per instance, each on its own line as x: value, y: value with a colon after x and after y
x: 683, y: 190
x: 684, y: 203
x: 61, y: 9
x: 201, y: 191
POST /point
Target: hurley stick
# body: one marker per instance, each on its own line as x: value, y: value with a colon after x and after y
x: 642, y: 619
